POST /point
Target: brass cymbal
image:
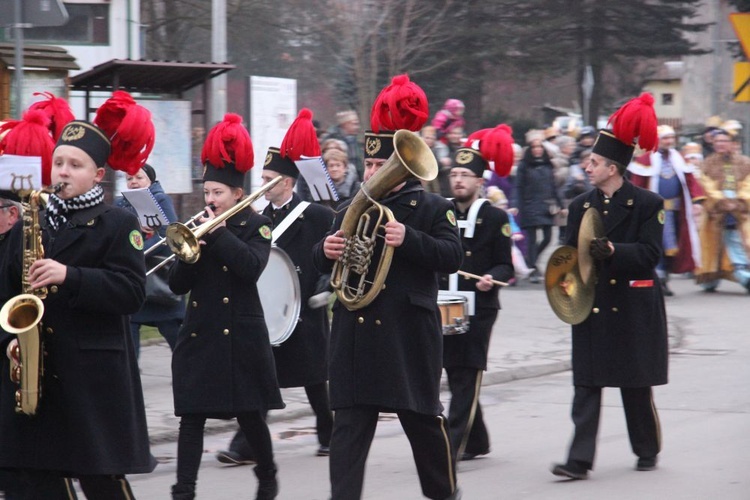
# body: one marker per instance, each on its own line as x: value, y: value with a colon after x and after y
x: 570, y: 298
x: 591, y: 227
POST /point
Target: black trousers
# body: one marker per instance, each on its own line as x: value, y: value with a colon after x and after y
x: 535, y: 249
x: 353, y: 431
x: 467, y: 430
x: 317, y: 395
x: 47, y: 485
x: 190, y: 444
x: 640, y: 414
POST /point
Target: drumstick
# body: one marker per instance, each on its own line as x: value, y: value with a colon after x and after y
x: 477, y: 277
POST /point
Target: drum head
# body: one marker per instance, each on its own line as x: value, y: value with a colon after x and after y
x: 280, y: 296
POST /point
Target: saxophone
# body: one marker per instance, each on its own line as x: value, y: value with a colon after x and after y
x: 22, y: 314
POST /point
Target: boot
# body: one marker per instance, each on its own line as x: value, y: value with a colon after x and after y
x: 268, y: 487
x: 183, y: 491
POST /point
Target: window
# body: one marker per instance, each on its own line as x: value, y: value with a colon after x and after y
x: 87, y: 24
x: 667, y: 99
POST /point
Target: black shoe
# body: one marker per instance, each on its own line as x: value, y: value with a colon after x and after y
x: 268, y: 486
x: 710, y: 289
x: 471, y: 456
x: 570, y: 470
x: 183, y: 491
x: 233, y: 458
x: 324, y: 451
x: 646, y: 464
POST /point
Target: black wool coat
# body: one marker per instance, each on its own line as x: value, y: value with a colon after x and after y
x: 534, y: 192
x: 488, y: 252
x: 303, y: 358
x: 389, y: 354
x: 91, y: 417
x: 222, y: 364
x: 623, y: 342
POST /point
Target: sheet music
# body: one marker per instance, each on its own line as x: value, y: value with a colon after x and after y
x: 150, y: 213
x: 316, y: 175
x: 20, y: 172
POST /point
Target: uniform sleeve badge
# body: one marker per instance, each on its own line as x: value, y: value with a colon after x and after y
x: 662, y: 215
x: 136, y: 239
x: 265, y: 232
x: 451, y: 217
x: 506, y: 230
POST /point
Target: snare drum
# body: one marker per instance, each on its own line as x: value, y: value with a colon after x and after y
x: 454, y: 310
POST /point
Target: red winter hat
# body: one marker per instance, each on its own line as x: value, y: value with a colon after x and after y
x: 29, y: 136
x: 227, y: 152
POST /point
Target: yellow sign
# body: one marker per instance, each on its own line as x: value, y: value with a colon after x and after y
x: 741, y: 87
x: 741, y: 24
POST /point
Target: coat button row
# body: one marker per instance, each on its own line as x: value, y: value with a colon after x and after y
x: 361, y: 320
x: 468, y: 253
x: 613, y: 282
x: 596, y: 310
x: 193, y: 334
x: 194, y: 304
x: 53, y: 289
x: 49, y: 330
x: 224, y: 268
x: 226, y: 331
x: 225, y: 300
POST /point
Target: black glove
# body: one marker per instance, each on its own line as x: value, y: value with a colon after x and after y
x: 600, y: 249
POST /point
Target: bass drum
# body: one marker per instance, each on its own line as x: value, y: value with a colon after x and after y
x: 280, y: 296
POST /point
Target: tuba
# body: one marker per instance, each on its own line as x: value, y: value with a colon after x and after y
x: 365, y: 219
x: 22, y: 314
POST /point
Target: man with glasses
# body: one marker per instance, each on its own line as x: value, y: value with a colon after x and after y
x: 485, y: 238
x: 725, y: 230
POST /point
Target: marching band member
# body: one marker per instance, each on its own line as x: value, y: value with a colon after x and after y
x: 302, y: 360
x: 386, y: 357
x: 90, y: 422
x: 485, y: 237
x: 623, y: 342
x: 222, y: 365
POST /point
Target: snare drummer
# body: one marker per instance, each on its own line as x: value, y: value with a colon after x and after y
x: 301, y: 360
x: 485, y: 237
x: 222, y: 366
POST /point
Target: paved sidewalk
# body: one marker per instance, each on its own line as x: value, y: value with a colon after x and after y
x: 528, y: 341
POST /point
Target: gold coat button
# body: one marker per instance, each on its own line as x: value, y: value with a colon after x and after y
x: 377, y: 322
x: 614, y: 309
x: 225, y: 300
x: 53, y: 289
x: 193, y: 334
x: 226, y: 331
x: 194, y: 304
x: 468, y: 253
x: 606, y: 212
x: 360, y: 320
x: 49, y: 330
x: 613, y: 282
x: 224, y: 268
x: 606, y: 201
x: 595, y: 310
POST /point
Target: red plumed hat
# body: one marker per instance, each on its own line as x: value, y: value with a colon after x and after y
x: 57, y: 109
x: 401, y: 105
x: 29, y: 136
x: 227, y: 152
x: 301, y: 139
x: 495, y: 146
x: 636, y: 118
x: 129, y: 128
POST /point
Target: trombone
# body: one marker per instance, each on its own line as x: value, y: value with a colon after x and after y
x: 185, y: 241
x: 189, y: 222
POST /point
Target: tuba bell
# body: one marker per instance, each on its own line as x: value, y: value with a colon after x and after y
x: 365, y: 220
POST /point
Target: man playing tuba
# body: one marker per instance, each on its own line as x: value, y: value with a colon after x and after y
x: 387, y: 356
